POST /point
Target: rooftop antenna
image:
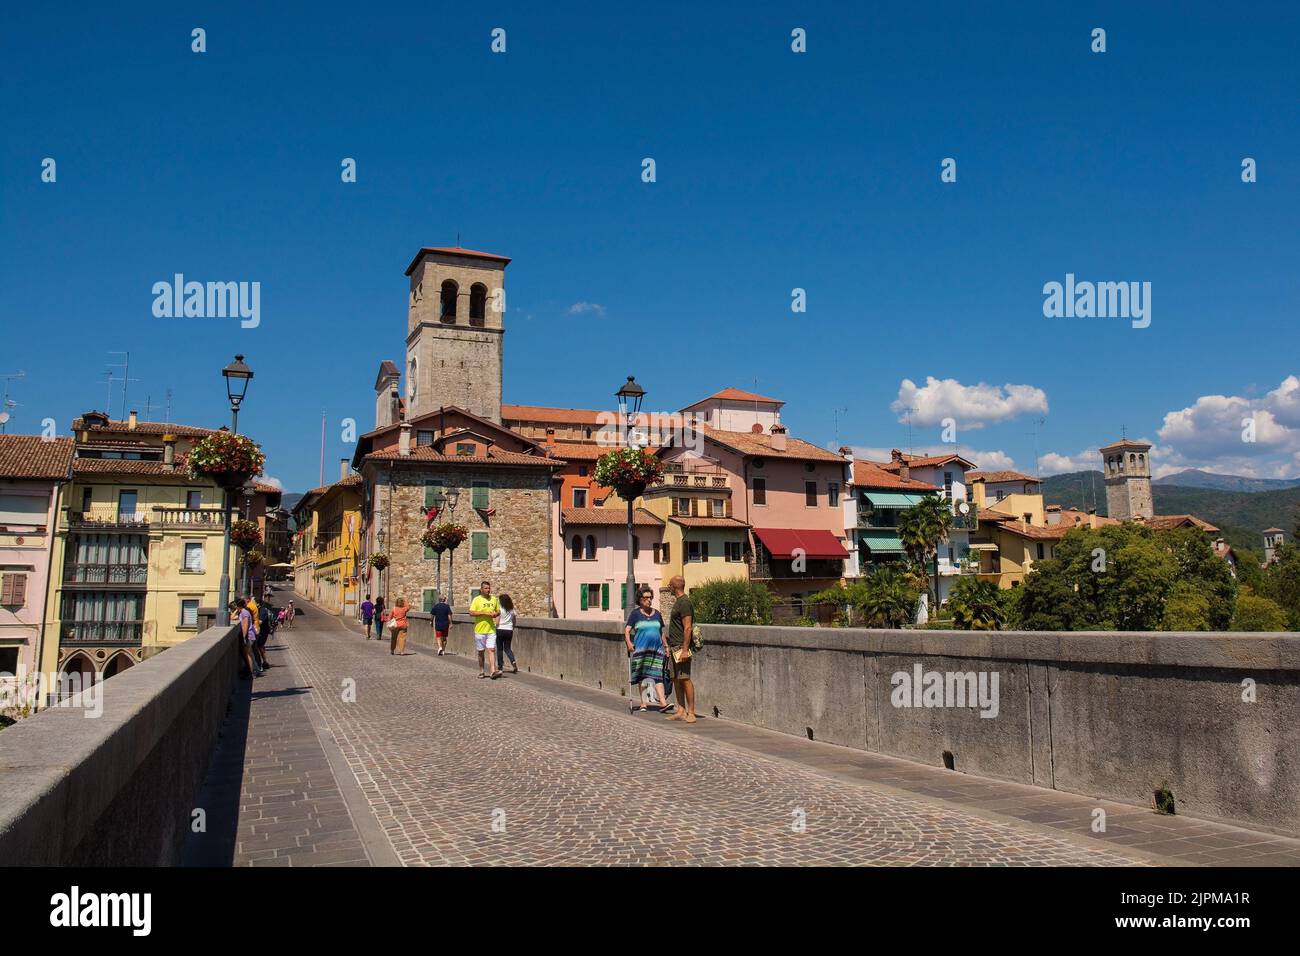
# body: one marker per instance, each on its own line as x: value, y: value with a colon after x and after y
x: 836, y: 412
x: 8, y: 403
x: 908, y: 418
x: 169, y: 406
x: 1034, y: 434
x: 108, y: 406
x: 126, y: 381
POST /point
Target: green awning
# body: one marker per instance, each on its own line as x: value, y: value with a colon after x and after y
x: 892, y: 499
x: 881, y: 542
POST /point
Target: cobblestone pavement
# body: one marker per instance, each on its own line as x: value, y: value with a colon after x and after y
x: 458, y: 770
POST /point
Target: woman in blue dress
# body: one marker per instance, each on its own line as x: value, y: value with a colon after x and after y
x: 644, y: 635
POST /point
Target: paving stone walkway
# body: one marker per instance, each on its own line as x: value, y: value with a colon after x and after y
x: 356, y: 757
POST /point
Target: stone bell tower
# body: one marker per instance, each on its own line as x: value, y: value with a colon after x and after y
x: 455, y: 331
x: 1128, y: 479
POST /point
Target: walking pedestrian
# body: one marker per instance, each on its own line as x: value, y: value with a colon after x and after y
x: 379, y: 617
x: 397, y: 625
x: 506, y: 634
x: 367, y: 614
x: 289, y: 614
x: 247, y: 636
x: 441, y: 623
x: 681, y: 624
x: 647, y: 648
x: 486, y: 610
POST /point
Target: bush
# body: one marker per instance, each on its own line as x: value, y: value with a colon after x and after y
x: 732, y: 601
x: 1186, y: 609
x: 975, y: 605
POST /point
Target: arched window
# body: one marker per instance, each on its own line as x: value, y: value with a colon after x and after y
x: 591, y: 548
x: 412, y: 380
x: 450, y: 292
x: 577, y: 547
x: 1132, y: 460
x: 477, y: 303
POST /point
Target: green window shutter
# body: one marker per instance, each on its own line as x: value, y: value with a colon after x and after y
x: 478, y: 547
x: 604, y: 597
x: 480, y: 497
x: 428, y: 554
x: 704, y: 550
x: 428, y: 600
x: 622, y: 591
x: 582, y: 593
x: 433, y: 494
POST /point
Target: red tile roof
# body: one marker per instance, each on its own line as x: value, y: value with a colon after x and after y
x: 997, y: 476
x: 735, y: 395
x: 1034, y: 532
x: 868, y: 474
x: 758, y: 445
x: 1125, y: 443
x: 1169, y: 522
x: 31, y: 456
x: 119, y: 466
x: 926, y: 461
x: 615, y: 516
x: 576, y: 452
x: 688, y: 522
x: 454, y: 251
x: 424, y: 454
x: 121, y: 428
x: 558, y: 416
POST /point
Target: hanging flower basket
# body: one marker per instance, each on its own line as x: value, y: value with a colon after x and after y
x: 444, y: 537
x: 629, y: 471
x: 379, y: 561
x: 229, y: 460
x: 245, y: 535
x: 253, y: 558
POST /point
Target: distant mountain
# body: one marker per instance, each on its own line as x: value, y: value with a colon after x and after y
x: 1242, y: 516
x: 1194, y: 478
x: 289, y: 499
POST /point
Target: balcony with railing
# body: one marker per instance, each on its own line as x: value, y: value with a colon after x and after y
x: 100, y: 575
x: 108, y: 519
x: 204, y: 518
x: 677, y: 475
x: 102, y: 632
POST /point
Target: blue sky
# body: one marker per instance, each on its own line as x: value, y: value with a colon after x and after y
x: 775, y: 171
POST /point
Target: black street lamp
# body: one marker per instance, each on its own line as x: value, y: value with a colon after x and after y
x: 237, y: 376
x: 629, y: 398
x: 453, y: 497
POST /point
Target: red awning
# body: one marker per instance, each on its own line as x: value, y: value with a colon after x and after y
x: 782, y: 542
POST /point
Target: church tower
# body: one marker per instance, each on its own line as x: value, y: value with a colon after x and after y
x: 1128, y: 479
x: 455, y: 331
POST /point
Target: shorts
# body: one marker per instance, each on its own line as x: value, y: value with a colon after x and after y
x: 485, y: 642
x: 681, y: 670
x: 440, y: 635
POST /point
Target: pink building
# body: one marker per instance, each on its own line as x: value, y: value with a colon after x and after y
x: 591, y: 561
x: 789, y: 491
x: 33, y: 472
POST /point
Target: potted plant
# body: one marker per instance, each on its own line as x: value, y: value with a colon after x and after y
x: 245, y: 535
x: 253, y: 558
x: 629, y: 471
x: 379, y: 561
x: 229, y: 460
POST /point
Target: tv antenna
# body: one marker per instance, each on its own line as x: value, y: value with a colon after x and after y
x: 125, y: 365
x: 8, y: 403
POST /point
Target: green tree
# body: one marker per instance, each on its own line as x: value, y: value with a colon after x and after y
x: 732, y: 601
x: 1209, y: 574
x: 1258, y: 613
x: 923, y: 528
x: 1282, y: 583
x: 975, y: 605
x: 1186, y: 609
x: 889, y: 598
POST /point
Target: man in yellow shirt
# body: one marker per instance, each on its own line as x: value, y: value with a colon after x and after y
x: 486, y: 611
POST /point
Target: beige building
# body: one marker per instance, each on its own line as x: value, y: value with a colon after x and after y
x: 1128, y: 479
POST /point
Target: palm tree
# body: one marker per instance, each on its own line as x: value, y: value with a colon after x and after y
x: 888, y: 599
x: 922, y: 528
x: 975, y: 606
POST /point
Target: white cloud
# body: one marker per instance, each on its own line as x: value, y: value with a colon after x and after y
x: 984, y: 460
x: 1219, y: 426
x: 971, y: 406
x: 580, y: 307
x: 1054, y: 464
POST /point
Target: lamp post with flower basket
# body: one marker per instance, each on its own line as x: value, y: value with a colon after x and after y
x: 247, y: 537
x: 629, y: 471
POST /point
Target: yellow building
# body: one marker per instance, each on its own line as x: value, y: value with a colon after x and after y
x: 702, y: 541
x: 327, y: 545
x: 136, y: 550
x: 1013, y: 529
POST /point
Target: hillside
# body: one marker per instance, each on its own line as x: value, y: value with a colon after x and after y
x: 1241, y: 515
x: 1194, y: 478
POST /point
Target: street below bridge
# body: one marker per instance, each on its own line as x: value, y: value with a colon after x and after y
x: 345, y: 755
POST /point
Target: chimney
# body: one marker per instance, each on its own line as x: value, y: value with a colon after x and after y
x: 904, y: 469
x: 132, y: 420
x: 343, y: 468
x: 169, y: 450
x: 404, y: 442
x: 895, y: 455
x: 778, y: 437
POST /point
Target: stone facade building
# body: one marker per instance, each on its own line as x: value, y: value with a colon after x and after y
x: 1128, y: 480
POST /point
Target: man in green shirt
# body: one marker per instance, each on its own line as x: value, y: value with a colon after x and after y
x: 485, y: 610
x: 680, y: 625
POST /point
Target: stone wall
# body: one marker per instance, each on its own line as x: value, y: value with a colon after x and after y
x: 1212, y: 717
x: 117, y: 790
x: 519, y: 535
